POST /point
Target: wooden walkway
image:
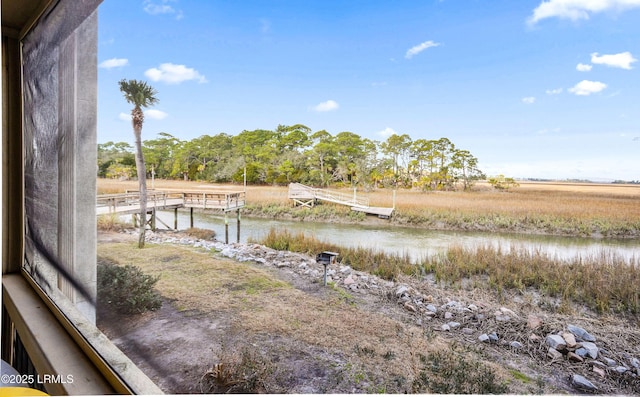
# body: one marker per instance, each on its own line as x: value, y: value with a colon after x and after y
x: 307, y: 196
x: 129, y: 203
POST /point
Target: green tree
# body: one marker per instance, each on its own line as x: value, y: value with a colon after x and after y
x: 397, y: 147
x: 115, y: 155
x: 321, y: 157
x: 350, y: 147
x: 159, y: 154
x: 140, y: 95
x: 465, y: 167
x: 503, y: 183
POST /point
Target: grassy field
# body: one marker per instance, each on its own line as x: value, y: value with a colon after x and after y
x: 362, y: 348
x: 542, y: 208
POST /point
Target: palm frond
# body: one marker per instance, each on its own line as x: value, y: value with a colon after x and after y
x: 138, y: 93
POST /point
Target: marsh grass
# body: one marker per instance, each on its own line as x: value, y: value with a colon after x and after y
x: 386, y: 266
x: 112, y: 223
x: 545, y: 208
x: 604, y: 283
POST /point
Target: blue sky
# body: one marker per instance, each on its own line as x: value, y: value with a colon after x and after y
x: 541, y: 89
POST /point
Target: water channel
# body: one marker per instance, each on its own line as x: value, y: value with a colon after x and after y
x: 418, y: 243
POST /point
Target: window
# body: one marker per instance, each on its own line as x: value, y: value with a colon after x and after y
x: 49, y: 52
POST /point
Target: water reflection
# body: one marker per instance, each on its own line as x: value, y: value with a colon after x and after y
x: 418, y: 243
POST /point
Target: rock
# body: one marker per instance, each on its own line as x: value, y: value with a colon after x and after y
x: 599, y: 371
x: 609, y: 362
x: 403, y: 289
x: 556, y: 342
x: 408, y: 306
x: 591, y: 349
x: 569, y: 339
x: 448, y: 315
x: 432, y: 308
x: 598, y: 364
x: 503, y: 318
x: 468, y: 331
x: 345, y: 269
x: 574, y: 357
x: 580, y: 382
x: 635, y: 363
x: 472, y: 307
x: 445, y: 327
x: 533, y: 321
x: 484, y: 338
x: 534, y: 338
x: 493, y: 337
x: 508, y: 312
x: 516, y: 345
x: 349, y: 280
x: 453, y: 324
x: 581, y: 333
x: 621, y: 369
x: 553, y: 354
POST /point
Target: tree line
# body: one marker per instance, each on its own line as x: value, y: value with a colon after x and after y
x: 297, y: 154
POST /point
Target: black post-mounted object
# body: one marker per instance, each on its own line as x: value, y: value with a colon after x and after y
x: 326, y: 258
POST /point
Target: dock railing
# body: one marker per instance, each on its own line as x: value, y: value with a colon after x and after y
x: 303, y: 192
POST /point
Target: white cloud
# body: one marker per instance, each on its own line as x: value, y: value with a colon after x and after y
x: 622, y: 60
x: 387, y: 132
x: 415, y: 50
x: 554, y: 91
x: 326, y: 106
x: 529, y: 100
x: 578, y: 9
x: 586, y: 87
x: 160, y: 7
x: 174, y: 74
x: 114, y: 63
x: 581, y: 67
x: 124, y: 116
x: 155, y: 114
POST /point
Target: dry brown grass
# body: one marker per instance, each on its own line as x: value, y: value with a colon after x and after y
x: 381, y: 352
x: 567, y: 201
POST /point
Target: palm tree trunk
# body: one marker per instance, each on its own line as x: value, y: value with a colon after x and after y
x: 142, y: 183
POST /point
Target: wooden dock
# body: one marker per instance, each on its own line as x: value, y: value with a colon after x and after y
x: 307, y: 196
x: 129, y: 203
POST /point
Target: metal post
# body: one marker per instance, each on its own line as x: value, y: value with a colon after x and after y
x: 325, y: 273
x: 153, y: 219
x: 226, y: 228
x: 191, y: 217
x: 175, y: 218
x: 238, y: 213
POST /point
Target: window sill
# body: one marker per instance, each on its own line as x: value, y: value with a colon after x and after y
x: 54, y: 351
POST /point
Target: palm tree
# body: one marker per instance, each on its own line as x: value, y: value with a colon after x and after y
x: 140, y: 95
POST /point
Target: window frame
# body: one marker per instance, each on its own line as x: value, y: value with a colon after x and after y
x: 58, y: 339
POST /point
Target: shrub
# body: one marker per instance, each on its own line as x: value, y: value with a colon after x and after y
x: 111, y: 223
x: 127, y: 289
x: 202, y: 234
x: 244, y: 371
x: 450, y: 372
